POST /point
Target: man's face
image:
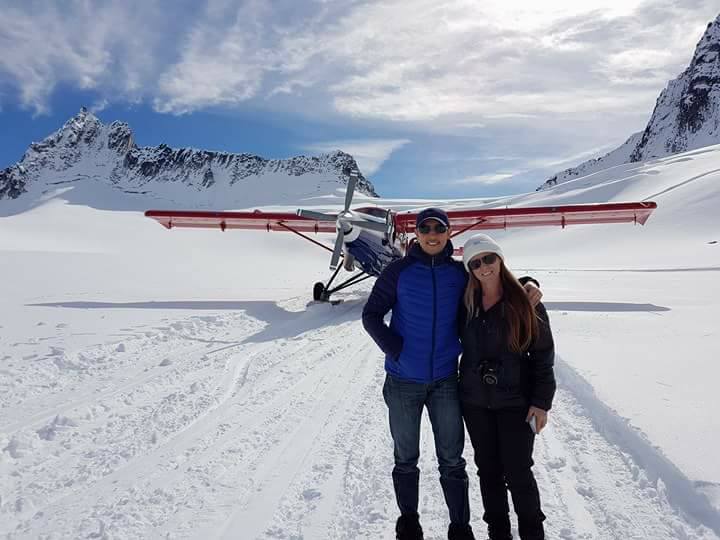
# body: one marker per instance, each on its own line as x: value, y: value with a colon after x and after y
x: 432, y: 242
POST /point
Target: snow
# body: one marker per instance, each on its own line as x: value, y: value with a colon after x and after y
x: 181, y: 383
x: 685, y: 115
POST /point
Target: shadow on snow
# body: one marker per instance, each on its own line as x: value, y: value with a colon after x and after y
x: 281, y: 323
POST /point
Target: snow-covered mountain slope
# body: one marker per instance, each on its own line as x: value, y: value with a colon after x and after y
x: 181, y: 384
x: 686, y: 115
x: 85, y: 152
x: 686, y: 188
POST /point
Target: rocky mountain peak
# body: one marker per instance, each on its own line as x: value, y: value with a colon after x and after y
x: 84, y: 148
x: 120, y: 137
x: 686, y: 115
x: 704, y: 79
x: 82, y: 127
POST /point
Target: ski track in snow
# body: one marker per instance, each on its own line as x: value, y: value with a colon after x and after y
x: 213, y: 433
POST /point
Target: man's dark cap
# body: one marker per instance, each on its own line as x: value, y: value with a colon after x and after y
x: 432, y: 213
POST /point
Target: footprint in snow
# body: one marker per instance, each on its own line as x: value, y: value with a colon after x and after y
x: 311, y: 494
x: 573, y: 436
x: 556, y: 463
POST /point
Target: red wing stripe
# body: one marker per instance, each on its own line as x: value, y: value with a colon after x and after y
x: 501, y: 218
x: 494, y: 218
x: 267, y: 221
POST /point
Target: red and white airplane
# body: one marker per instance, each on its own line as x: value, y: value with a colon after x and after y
x: 370, y: 238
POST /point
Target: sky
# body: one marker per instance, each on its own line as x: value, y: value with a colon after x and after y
x: 460, y: 98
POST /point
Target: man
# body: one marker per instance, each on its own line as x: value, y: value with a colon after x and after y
x: 421, y: 346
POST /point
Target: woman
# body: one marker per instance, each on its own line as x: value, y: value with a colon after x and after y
x: 506, y: 386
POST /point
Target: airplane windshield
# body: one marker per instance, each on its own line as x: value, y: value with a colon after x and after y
x: 374, y: 211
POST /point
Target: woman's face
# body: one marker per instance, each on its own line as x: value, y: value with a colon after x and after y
x: 485, y: 267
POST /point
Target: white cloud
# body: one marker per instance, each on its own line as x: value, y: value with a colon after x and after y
x: 504, y: 59
x: 105, y: 47
x: 485, y: 179
x: 369, y: 154
x: 220, y: 63
x: 560, y: 161
x: 450, y: 62
x: 99, y: 106
x: 526, y: 165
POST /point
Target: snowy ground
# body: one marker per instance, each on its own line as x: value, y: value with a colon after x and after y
x: 180, y: 384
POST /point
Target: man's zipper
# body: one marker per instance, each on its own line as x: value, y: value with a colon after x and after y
x: 432, y: 348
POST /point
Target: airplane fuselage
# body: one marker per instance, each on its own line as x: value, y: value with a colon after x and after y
x: 371, y: 250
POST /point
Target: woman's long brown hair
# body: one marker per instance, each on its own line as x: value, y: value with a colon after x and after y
x: 520, y: 316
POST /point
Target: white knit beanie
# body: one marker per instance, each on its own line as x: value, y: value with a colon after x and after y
x: 480, y: 243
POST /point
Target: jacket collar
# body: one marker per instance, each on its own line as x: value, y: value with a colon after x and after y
x: 497, y: 306
x: 432, y: 260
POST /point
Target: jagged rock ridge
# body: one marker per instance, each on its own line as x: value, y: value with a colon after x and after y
x: 686, y: 115
x: 86, y: 148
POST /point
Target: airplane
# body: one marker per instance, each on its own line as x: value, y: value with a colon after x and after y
x: 370, y: 238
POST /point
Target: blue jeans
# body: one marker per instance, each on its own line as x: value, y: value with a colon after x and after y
x: 405, y: 401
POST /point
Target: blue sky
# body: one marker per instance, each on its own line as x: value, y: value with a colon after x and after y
x: 458, y: 98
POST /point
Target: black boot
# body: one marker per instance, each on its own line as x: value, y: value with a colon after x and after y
x: 500, y: 531
x: 408, y: 527
x: 460, y: 532
x: 531, y: 529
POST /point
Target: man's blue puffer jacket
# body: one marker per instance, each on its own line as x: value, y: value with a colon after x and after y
x: 424, y: 293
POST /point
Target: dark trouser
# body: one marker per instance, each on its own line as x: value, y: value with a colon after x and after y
x: 503, y: 444
x: 405, y: 401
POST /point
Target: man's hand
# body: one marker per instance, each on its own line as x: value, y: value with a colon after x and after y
x: 534, y: 293
x: 540, y: 418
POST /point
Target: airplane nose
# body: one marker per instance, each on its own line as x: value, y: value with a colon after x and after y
x: 342, y: 225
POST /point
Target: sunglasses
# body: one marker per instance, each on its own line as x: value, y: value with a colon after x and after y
x: 477, y: 262
x: 427, y: 229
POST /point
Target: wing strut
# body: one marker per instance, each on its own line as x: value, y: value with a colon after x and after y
x: 306, y: 237
x: 480, y: 222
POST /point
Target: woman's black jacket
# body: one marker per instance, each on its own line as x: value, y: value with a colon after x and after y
x: 523, y: 379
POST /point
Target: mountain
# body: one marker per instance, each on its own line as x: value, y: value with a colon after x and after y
x: 87, y: 152
x: 686, y: 115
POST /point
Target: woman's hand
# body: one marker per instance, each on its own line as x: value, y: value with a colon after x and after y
x: 533, y: 292
x: 540, y: 418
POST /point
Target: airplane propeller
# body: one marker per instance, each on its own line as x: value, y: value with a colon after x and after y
x: 345, y: 220
x: 343, y: 224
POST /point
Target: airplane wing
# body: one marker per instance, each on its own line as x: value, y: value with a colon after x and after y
x: 256, y: 220
x: 503, y: 218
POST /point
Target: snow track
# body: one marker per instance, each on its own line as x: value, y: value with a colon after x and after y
x: 238, y: 429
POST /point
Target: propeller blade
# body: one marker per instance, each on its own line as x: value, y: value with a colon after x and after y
x: 371, y: 225
x: 350, y: 189
x: 319, y: 216
x: 339, y: 241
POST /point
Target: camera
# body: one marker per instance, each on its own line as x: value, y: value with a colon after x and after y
x: 489, y: 374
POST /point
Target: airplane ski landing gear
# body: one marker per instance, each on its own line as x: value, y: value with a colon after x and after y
x: 322, y: 292
x: 319, y: 291
x: 349, y: 262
